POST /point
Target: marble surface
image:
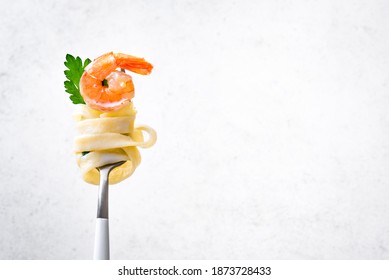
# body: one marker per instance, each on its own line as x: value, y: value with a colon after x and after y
x: 273, y: 124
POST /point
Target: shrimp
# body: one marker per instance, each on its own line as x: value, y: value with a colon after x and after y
x: 106, y: 89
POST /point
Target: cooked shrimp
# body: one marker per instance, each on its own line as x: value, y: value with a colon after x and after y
x: 106, y: 89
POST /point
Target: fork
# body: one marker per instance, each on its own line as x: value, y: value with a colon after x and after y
x: 101, y: 247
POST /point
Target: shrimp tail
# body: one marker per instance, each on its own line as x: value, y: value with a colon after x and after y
x: 134, y: 64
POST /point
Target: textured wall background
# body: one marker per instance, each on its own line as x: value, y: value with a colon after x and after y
x: 273, y: 122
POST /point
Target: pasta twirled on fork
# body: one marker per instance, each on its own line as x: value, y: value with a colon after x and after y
x: 108, y: 137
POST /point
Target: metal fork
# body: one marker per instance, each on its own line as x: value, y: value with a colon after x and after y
x: 101, y: 248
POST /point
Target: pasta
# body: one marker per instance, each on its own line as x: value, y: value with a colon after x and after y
x: 108, y: 137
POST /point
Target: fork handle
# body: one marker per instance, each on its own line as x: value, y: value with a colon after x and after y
x: 101, y: 251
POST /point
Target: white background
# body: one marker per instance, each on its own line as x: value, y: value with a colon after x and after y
x: 273, y: 125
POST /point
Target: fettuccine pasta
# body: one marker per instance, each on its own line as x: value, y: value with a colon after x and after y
x: 109, y: 137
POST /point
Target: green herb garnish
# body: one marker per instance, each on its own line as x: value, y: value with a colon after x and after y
x: 73, y: 75
x: 85, y: 153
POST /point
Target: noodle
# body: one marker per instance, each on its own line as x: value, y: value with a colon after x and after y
x: 106, y: 138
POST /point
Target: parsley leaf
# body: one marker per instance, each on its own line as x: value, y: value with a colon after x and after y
x: 73, y: 74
